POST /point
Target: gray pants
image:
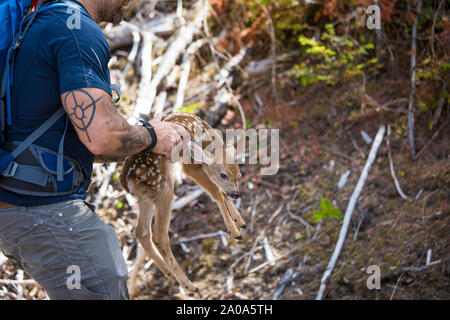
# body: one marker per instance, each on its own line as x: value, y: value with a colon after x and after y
x: 67, y: 249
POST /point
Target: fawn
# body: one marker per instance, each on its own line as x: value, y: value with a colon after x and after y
x: 150, y: 179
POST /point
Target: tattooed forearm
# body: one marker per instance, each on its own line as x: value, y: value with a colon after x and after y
x: 136, y: 138
x: 100, y: 126
x: 81, y: 109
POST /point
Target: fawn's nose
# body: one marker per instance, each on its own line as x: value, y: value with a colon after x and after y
x: 234, y: 194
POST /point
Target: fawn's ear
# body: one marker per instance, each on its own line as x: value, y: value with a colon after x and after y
x: 198, y: 154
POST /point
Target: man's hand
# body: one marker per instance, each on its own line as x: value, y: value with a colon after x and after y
x: 168, y: 136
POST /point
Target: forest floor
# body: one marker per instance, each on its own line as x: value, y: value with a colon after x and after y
x: 283, y: 253
x: 317, y: 148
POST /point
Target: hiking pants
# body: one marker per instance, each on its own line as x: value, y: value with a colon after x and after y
x: 67, y: 249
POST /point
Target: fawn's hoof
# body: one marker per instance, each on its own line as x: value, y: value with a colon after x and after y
x: 238, y: 237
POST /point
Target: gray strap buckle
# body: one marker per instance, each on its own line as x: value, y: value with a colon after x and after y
x: 11, y: 170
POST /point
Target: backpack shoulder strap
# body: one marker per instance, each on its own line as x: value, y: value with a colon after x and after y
x: 7, y: 164
x: 38, y: 132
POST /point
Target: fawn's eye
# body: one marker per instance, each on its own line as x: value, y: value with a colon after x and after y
x: 224, y: 176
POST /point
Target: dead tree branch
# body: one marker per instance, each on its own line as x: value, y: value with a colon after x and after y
x: 348, y: 213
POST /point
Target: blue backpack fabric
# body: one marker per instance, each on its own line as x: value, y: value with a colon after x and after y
x: 62, y: 175
x: 12, y: 13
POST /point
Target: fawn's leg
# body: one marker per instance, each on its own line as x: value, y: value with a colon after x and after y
x: 144, y: 235
x: 196, y: 174
x: 162, y: 241
x: 235, y: 213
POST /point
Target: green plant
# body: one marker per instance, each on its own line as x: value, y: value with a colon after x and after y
x: 190, y: 108
x: 327, y: 210
x: 331, y: 58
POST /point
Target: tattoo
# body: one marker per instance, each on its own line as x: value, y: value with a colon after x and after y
x: 135, y: 138
x: 81, y: 114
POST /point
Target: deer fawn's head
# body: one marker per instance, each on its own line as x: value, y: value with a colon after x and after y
x: 221, y: 167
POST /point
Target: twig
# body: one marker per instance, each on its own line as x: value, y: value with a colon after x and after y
x: 419, y: 269
x: 182, y: 202
x: 19, y: 278
x: 275, y: 214
x: 348, y: 213
x: 202, y: 236
x: 385, y: 106
x: 395, y: 287
x: 416, y: 156
x: 391, y: 166
x: 133, y: 53
x: 249, y: 260
x: 18, y: 282
x: 287, y: 277
x: 271, y: 255
x: 104, y: 187
x: 232, y: 63
x: 302, y: 221
x: 185, y: 70
x: 252, y: 215
x: 343, y: 155
x: 279, y: 257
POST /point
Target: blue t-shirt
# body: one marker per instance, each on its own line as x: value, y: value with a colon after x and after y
x: 55, y: 57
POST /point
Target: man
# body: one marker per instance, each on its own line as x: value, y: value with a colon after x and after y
x: 59, y: 239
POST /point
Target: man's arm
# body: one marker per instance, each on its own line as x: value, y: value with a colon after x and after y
x: 107, y: 134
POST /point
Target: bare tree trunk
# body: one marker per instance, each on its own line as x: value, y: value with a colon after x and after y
x: 413, y: 82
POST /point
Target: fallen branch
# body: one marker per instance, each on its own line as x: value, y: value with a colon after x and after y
x: 351, y: 206
x: 391, y: 166
x: 121, y: 36
x: 144, y: 96
x: 175, y: 49
x: 185, y: 71
x: 182, y: 202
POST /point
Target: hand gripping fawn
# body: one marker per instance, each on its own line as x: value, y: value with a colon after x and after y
x: 150, y: 179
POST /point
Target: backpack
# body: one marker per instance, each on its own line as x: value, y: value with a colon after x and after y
x: 26, y: 168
